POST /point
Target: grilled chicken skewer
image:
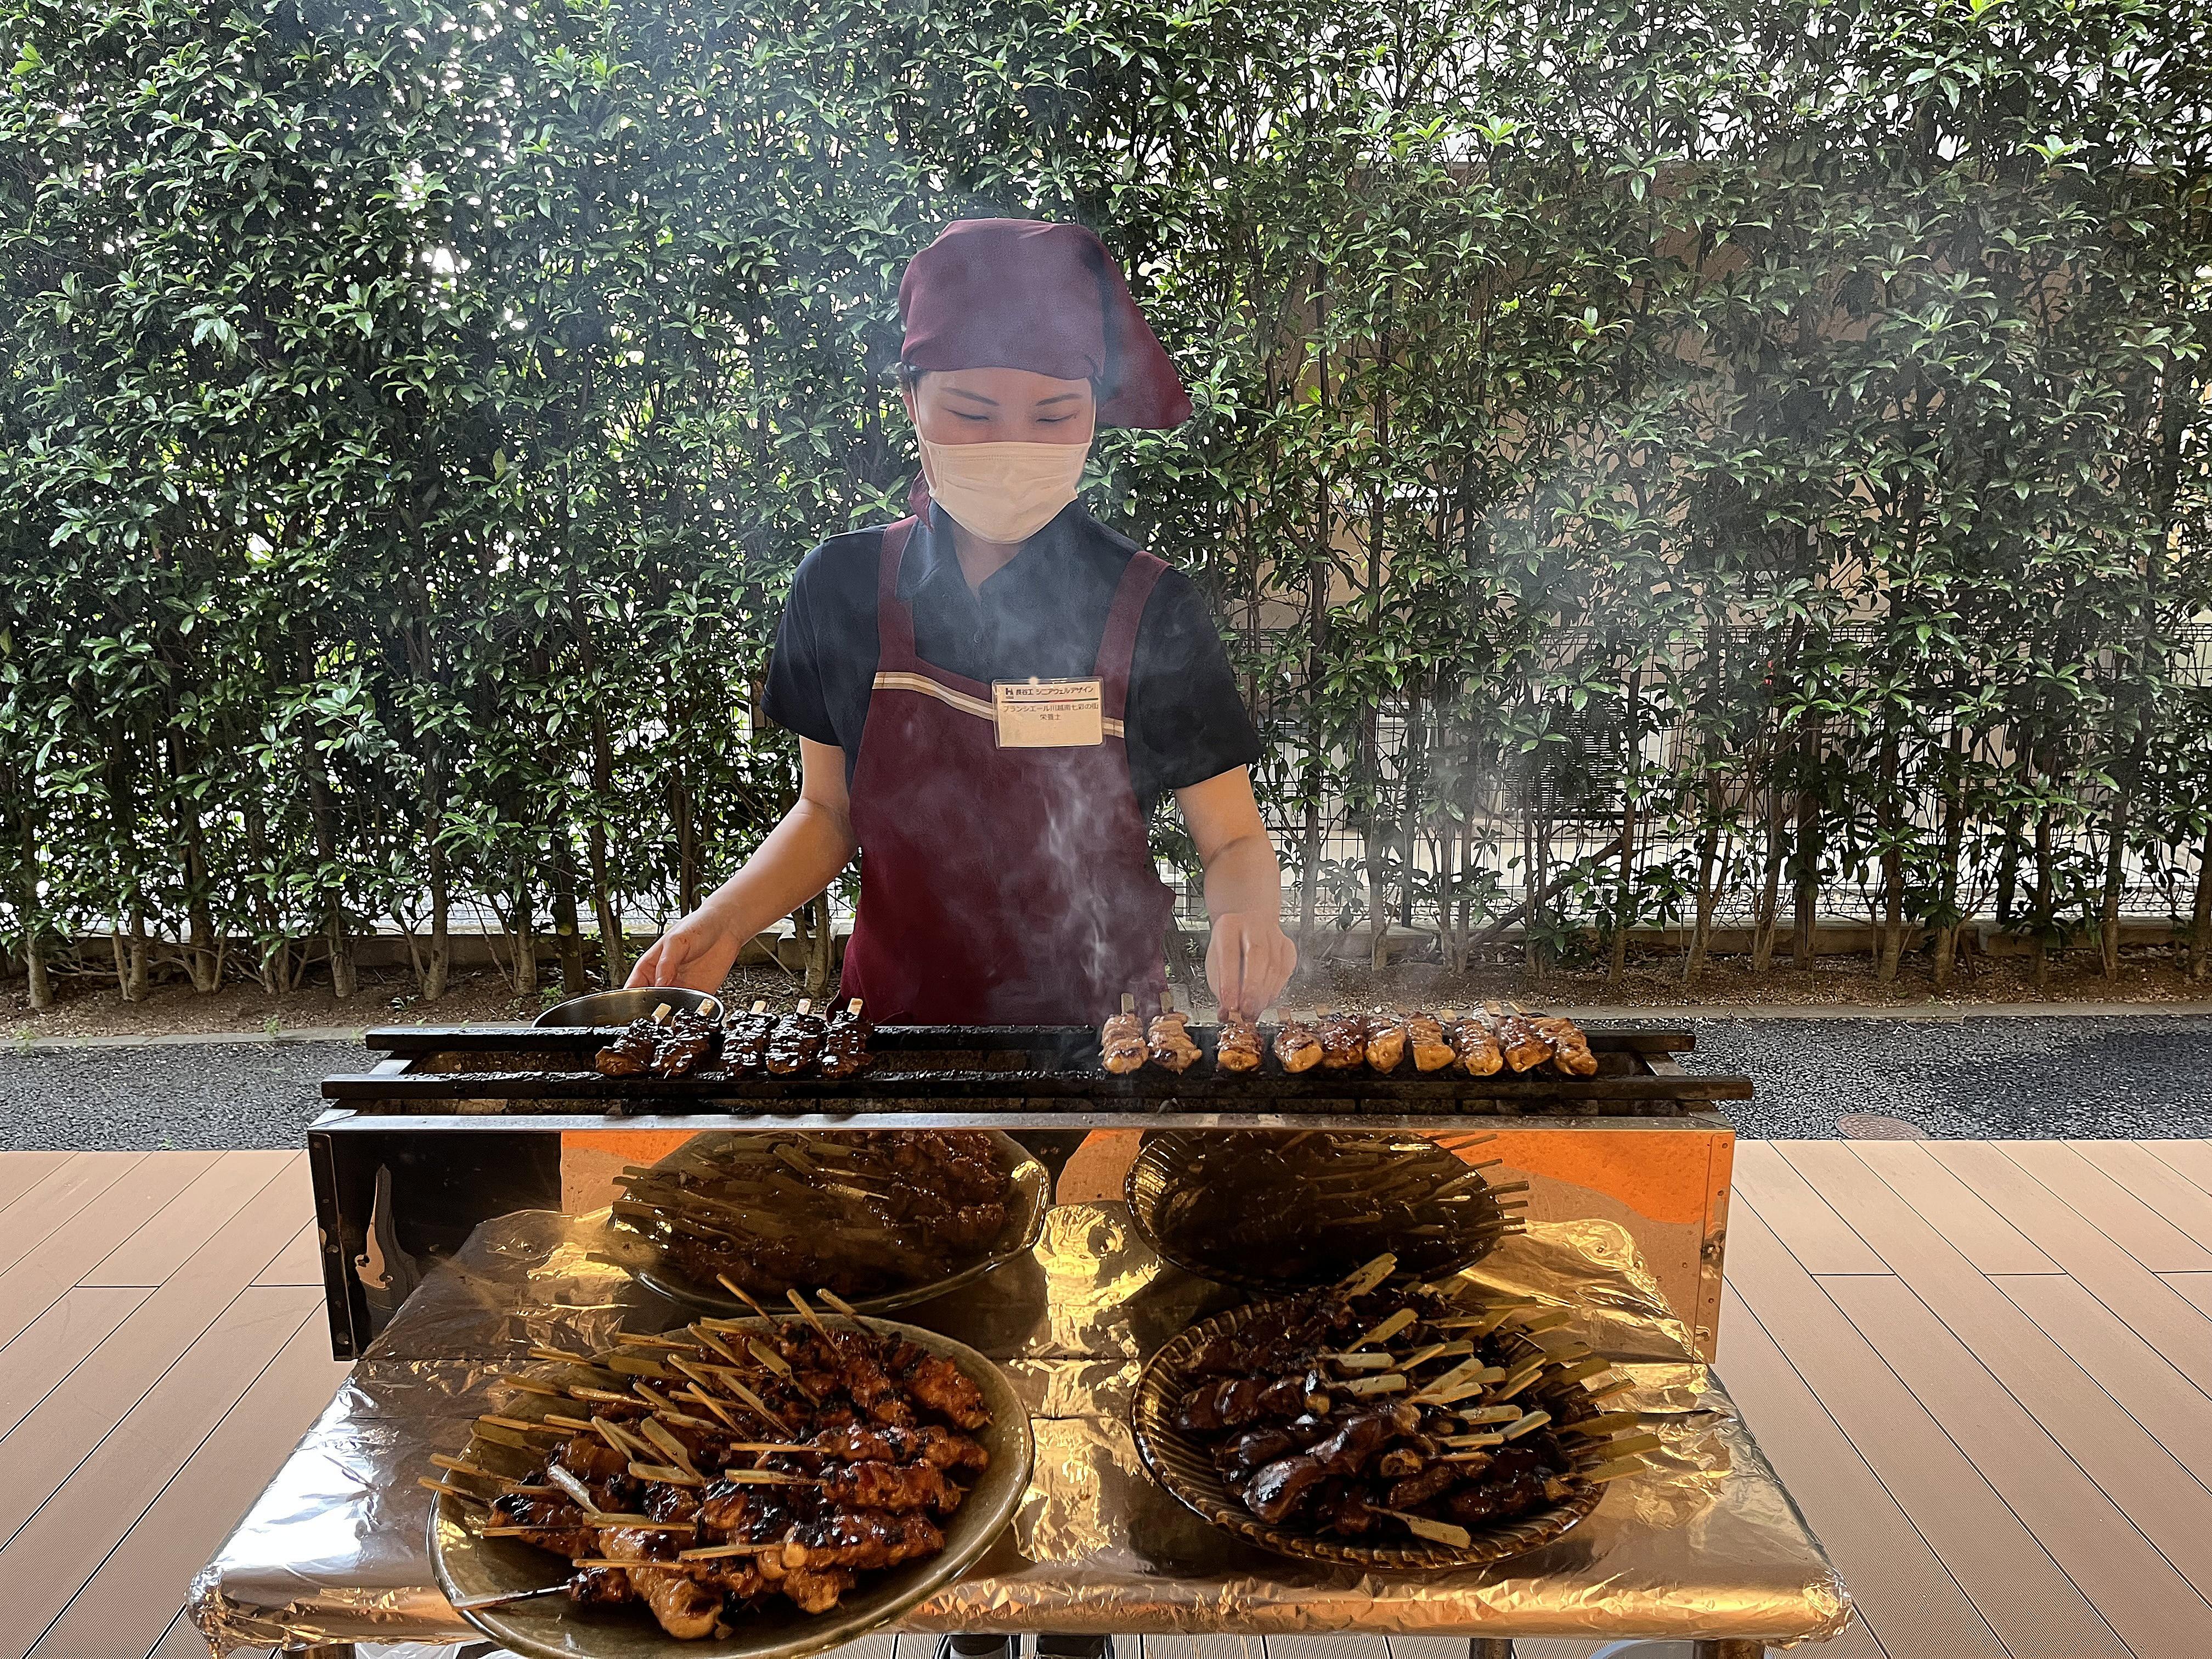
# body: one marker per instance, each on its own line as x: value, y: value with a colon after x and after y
x: 744, y: 1044
x: 1571, y: 1050
x: 845, y: 1043
x: 1169, y: 1039
x: 1425, y: 1036
x: 796, y: 1042
x: 1298, y: 1045
x: 1524, y: 1046
x: 1237, y: 1048
x: 1476, y: 1047
x: 1386, y: 1040
x: 1343, y: 1041
x: 1121, y: 1040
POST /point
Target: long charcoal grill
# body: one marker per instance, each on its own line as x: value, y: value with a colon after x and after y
x: 1053, y: 1067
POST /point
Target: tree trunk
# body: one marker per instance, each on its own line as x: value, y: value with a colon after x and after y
x: 1954, y: 830
x: 2008, y: 869
x: 1371, y: 839
x: 1409, y: 805
x: 566, y: 931
x: 687, y: 844
x: 1701, y: 933
x: 437, y: 971
x: 140, y: 979
x: 2043, y: 916
x: 525, y: 940
x: 37, y: 986
x: 2200, y: 918
x: 203, y: 955
x: 1623, y: 897
x: 1766, y: 922
x: 1891, y: 943
x: 821, y: 957
x: 323, y: 811
x: 1805, y: 847
x: 2116, y: 853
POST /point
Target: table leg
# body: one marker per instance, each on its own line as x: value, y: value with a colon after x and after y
x: 1491, y: 1647
x: 1729, y: 1649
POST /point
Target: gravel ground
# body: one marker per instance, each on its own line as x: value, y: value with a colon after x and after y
x: 2119, y: 1077
x: 210, y: 1094
x: 2013, y: 1079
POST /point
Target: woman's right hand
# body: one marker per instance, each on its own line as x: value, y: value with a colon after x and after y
x: 696, y: 953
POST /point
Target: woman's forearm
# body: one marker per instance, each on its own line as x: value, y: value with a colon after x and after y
x: 800, y: 857
x: 1243, y: 879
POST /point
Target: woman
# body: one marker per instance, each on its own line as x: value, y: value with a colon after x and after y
x: 990, y: 696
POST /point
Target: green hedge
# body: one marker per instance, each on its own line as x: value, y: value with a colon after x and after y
x: 1774, y: 433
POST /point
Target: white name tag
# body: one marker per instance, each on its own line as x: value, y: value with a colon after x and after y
x: 1048, y: 713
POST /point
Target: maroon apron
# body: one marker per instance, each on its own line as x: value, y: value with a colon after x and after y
x: 998, y: 886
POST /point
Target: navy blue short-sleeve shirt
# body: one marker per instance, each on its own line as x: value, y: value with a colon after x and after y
x: 1043, y: 614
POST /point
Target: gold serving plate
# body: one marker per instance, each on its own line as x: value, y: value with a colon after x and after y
x: 1028, y: 1196
x: 1183, y: 1465
x: 469, y: 1568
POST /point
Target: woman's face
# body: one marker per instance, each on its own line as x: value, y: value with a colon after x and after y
x: 1001, y: 405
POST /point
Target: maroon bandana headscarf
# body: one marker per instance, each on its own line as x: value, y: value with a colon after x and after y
x: 1021, y: 294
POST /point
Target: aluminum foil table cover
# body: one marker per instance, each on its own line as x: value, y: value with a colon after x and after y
x: 1704, y: 1543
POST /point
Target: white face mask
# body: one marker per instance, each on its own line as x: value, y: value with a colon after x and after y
x: 1003, y: 492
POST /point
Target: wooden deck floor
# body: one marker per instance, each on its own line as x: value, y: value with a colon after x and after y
x: 1981, y: 1366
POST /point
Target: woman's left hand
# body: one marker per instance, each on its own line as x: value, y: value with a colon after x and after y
x: 1248, y: 961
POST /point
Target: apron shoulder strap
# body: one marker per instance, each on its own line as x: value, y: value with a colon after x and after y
x: 894, y: 616
x: 1118, y: 649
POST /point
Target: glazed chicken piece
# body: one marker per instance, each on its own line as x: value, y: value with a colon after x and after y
x: 1386, y: 1042
x: 631, y: 1052
x: 845, y: 1043
x: 1298, y: 1045
x: 894, y: 1487
x: 796, y: 1042
x: 1570, y: 1049
x: 1524, y: 1046
x: 1476, y: 1046
x: 745, y: 1043
x: 1122, y: 1041
x: 1425, y: 1036
x: 687, y: 1043
x: 1170, y: 1041
x: 861, y: 1540
x: 1237, y: 1046
x: 686, y: 1608
x: 1343, y: 1041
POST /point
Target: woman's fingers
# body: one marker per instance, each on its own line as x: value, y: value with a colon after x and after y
x: 644, y: 973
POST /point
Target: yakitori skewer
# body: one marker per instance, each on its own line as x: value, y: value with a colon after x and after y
x: 1297, y: 1046
x: 1168, y: 1038
x: 1524, y: 1046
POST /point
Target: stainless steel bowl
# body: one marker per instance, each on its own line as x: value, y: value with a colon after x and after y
x: 620, y: 1007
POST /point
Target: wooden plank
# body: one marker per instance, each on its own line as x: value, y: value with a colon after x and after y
x: 1819, y: 1238
x: 2112, y: 1448
x: 2152, y: 1309
x: 183, y: 1641
x: 2157, y: 1183
x: 52, y: 1264
x: 2174, y: 1410
x: 189, y: 1219
x: 2109, y: 1207
x: 33, y: 1364
x: 39, y: 1454
x: 20, y: 1171
x: 1970, y: 1227
x: 63, y: 1193
x: 299, y: 1262
x: 2195, y: 1288
x: 125, y: 1607
x: 1908, y: 1602
x: 2190, y: 1159
x: 2137, y: 1588
x: 2015, y: 1585
x: 45, y: 1561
